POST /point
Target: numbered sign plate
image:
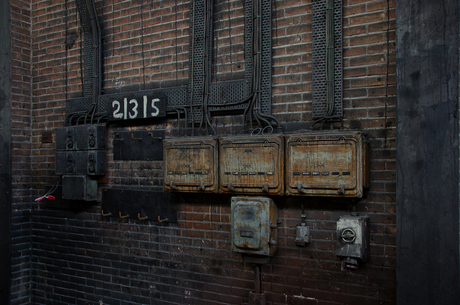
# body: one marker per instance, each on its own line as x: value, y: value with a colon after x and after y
x: 136, y: 107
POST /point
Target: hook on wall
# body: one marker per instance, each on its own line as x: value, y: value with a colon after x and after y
x: 141, y: 218
x: 123, y: 216
x: 105, y: 215
x: 162, y: 220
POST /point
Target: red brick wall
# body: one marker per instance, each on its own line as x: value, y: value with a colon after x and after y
x: 21, y: 95
x: 83, y: 257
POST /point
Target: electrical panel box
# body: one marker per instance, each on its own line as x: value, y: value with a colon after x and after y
x: 79, y: 187
x: 251, y: 165
x: 66, y: 162
x: 353, y: 237
x: 90, y: 137
x: 190, y: 164
x: 254, y: 225
x: 91, y: 162
x: 80, y: 150
x: 81, y: 137
x: 66, y: 138
x: 327, y: 164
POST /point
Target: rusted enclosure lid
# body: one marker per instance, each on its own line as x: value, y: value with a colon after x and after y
x: 251, y: 164
x: 254, y: 221
x: 326, y: 164
x: 190, y: 164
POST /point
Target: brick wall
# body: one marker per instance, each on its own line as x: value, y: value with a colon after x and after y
x: 21, y: 93
x: 82, y: 257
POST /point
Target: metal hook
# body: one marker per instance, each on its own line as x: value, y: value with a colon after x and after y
x: 108, y: 214
x: 162, y: 220
x: 123, y: 216
x: 151, y: 135
x: 117, y: 139
x: 141, y: 218
x: 135, y: 138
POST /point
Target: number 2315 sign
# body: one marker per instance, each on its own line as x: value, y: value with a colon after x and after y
x: 143, y: 107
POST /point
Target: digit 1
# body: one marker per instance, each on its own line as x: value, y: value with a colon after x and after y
x: 125, y: 107
x: 145, y: 106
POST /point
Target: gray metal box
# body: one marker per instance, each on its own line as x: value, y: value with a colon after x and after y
x: 90, y: 162
x: 66, y: 138
x: 254, y: 225
x: 90, y: 137
x: 79, y: 188
x: 65, y: 162
x: 353, y: 237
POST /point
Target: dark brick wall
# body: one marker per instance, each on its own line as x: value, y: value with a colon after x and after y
x: 80, y: 257
x: 21, y: 98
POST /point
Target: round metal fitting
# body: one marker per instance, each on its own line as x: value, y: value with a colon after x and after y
x: 348, y: 236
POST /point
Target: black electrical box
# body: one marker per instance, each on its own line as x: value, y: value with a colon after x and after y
x: 80, y: 150
x: 91, y: 162
x: 66, y: 162
x: 90, y: 137
x: 79, y: 187
x: 80, y: 157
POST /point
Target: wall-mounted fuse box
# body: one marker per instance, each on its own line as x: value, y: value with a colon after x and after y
x: 327, y: 164
x: 66, y: 138
x: 254, y: 225
x: 66, y: 162
x: 251, y: 164
x: 79, y: 187
x: 91, y: 162
x: 81, y: 137
x: 190, y: 164
x: 90, y: 137
x: 80, y: 154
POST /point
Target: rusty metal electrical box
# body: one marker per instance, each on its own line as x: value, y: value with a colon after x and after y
x: 190, y: 164
x: 251, y: 165
x: 353, y: 237
x: 254, y: 225
x: 327, y: 164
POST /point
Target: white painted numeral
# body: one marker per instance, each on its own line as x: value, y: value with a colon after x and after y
x: 125, y: 106
x: 116, y: 112
x: 135, y: 112
x: 157, y: 111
